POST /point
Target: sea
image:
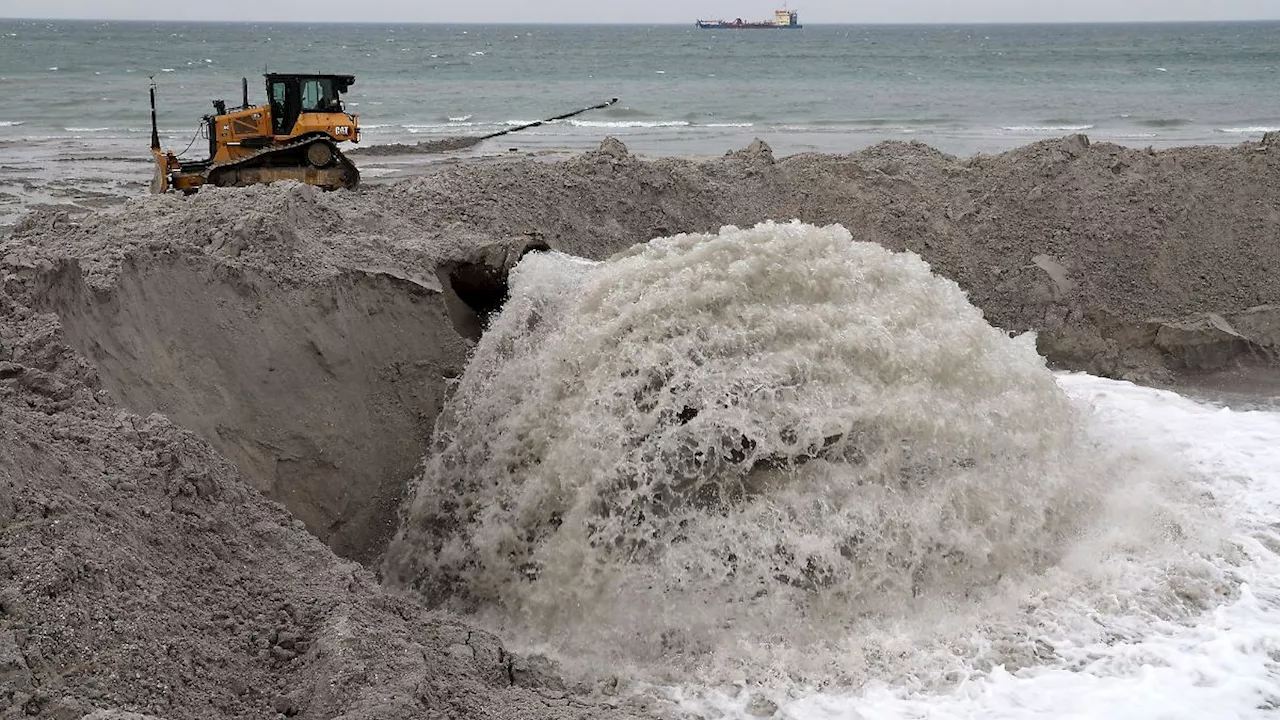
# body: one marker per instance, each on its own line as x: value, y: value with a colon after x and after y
x: 1170, y: 606
x: 77, y: 91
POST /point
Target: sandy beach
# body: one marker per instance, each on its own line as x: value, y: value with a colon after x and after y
x: 214, y: 406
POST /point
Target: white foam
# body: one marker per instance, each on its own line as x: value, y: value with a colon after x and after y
x: 1046, y: 128
x: 781, y: 454
x: 1218, y: 664
x: 1252, y: 130
x: 460, y: 119
x: 87, y: 129
x: 438, y: 127
x: 11, y: 123
x: 167, y: 70
x: 628, y: 123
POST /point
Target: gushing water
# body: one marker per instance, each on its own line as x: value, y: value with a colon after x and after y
x: 771, y: 450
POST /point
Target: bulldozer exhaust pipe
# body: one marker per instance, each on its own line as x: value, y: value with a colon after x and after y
x: 244, y: 85
x: 155, y: 131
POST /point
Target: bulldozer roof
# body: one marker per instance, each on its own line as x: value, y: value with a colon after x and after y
x: 341, y: 81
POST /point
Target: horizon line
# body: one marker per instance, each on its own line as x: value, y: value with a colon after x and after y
x: 864, y: 23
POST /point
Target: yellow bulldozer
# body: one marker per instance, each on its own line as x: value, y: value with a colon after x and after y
x: 294, y: 136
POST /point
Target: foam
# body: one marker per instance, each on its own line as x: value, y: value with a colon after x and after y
x: 779, y: 452
x: 628, y: 123
x: 1047, y: 128
x: 1220, y: 663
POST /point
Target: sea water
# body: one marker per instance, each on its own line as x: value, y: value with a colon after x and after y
x: 76, y: 92
x: 71, y: 86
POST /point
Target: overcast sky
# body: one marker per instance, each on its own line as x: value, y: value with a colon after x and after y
x: 652, y: 11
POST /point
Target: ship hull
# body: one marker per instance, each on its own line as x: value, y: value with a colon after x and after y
x: 746, y: 26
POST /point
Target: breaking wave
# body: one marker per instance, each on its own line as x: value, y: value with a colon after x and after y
x: 778, y: 453
x: 1252, y: 130
x: 628, y: 123
x: 1047, y: 128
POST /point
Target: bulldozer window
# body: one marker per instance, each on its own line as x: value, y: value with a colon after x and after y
x: 284, y: 109
x: 318, y: 96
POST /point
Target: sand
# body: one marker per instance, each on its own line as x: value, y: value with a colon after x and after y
x: 213, y: 404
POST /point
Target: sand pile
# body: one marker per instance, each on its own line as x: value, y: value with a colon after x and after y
x: 308, y: 350
x: 310, y: 338
x: 138, y: 570
x: 1130, y: 263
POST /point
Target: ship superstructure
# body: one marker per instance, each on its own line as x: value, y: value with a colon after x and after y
x: 783, y: 19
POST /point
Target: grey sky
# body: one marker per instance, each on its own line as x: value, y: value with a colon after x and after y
x: 655, y: 11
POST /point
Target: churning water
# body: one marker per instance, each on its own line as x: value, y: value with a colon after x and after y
x: 782, y: 459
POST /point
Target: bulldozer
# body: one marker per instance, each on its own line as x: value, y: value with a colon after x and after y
x: 294, y: 136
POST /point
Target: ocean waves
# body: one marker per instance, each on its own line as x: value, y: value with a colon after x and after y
x: 1251, y: 130
x: 1047, y: 128
x: 652, y: 132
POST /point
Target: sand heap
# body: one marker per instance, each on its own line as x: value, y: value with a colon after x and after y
x: 310, y: 337
x: 1131, y: 263
x: 139, y: 571
x: 301, y: 343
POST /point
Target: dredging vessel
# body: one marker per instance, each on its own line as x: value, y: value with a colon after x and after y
x: 783, y: 19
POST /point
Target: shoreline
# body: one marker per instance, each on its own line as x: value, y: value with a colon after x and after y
x: 28, y: 182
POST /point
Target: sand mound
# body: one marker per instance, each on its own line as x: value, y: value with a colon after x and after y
x: 425, y: 147
x: 139, y: 571
x: 317, y: 369
x: 309, y: 338
x: 1096, y: 246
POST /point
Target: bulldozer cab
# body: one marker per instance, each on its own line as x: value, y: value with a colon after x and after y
x: 293, y: 95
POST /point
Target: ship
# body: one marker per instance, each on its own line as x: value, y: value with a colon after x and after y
x: 783, y: 19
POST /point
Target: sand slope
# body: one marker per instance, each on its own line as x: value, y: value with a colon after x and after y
x: 300, y: 344
x: 138, y: 570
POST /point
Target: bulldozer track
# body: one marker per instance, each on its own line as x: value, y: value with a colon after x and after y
x: 340, y: 169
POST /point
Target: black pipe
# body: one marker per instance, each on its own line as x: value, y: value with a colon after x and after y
x: 601, y: 106
x: 155, y: 131
x: 245, y: 86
